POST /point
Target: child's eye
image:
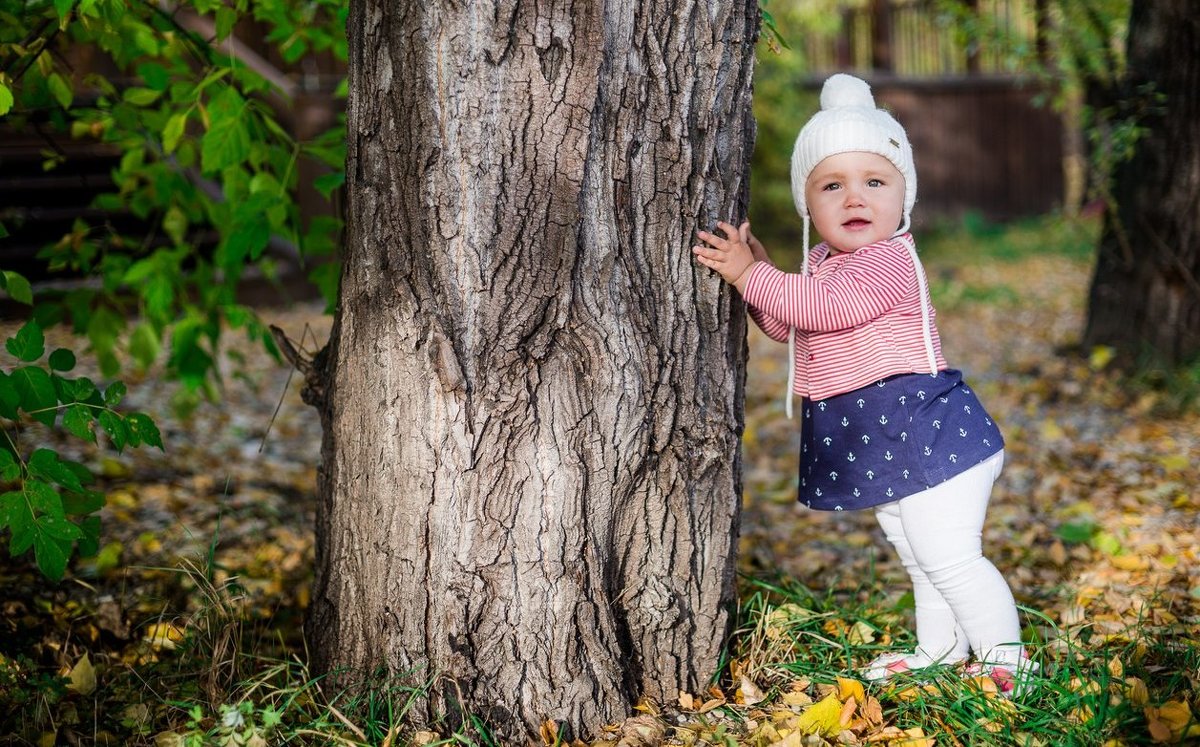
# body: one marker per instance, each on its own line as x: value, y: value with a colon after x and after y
x: 831, y: 186
x: 874, y: 182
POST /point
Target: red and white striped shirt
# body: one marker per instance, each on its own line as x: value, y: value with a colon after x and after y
x: 858, y: 316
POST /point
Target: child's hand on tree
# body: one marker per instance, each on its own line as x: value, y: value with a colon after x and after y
x: 731, y: 256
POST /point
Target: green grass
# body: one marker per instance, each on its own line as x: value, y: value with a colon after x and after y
x: 1092, y: 688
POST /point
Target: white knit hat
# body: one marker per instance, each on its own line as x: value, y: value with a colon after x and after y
x: 848, y: 121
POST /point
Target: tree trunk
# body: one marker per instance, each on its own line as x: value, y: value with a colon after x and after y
x: 1145, y: 297
x: 532, y: 395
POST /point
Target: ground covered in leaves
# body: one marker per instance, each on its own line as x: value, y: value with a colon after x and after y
x: 185, y: 629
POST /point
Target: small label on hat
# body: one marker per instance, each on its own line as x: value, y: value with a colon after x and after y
x: 893, y: 142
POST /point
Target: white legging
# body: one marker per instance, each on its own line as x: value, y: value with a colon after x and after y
x: 962, y: 601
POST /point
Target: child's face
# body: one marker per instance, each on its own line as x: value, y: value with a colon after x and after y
x: 855, y: 199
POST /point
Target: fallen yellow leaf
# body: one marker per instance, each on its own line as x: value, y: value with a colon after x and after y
x: 823, y: 718
x: 163, y: 636
x: 848, y: 688
x: 1130, y: 562
x: 83, y: 676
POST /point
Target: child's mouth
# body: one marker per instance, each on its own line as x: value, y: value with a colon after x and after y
x: 856, y: 224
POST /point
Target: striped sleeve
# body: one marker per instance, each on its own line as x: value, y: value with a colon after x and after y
x: 771, y: 327
x: 866, y: 285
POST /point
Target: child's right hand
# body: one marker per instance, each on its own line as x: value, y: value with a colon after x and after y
x: 730, y: 256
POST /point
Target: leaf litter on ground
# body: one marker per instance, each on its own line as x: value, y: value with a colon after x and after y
x: 1093, y: 523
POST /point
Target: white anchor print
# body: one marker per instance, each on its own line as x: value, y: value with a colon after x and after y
x: 928, y: 451
x: 904, y: 435
x: 988, y: 421
x: 866, y: 439
x: 833, y: 476
x: 837, y: 508
x: 850, y: 457
x: 808, y: 503
x: 845, y: 422
x: 962, y: 433
x: 821, y: 405
x: 818, y: 492
x: 902, y: 399
x: 808, y: 413
x: 861, y: 402
x: 965, y: 390
x: 905, y: 474
x: 954, y: 458
x: 889, y: 493
x: 870, y: 474
x: 803, y: 482
x: 888, y: 455
x: 987, y: 442
x: 937, y: 424
x: 967, y: 409
x: 879, y: 384
x: 883, y: 420
x: 921, y: 394
x: 828, y: 440
x: 804, y: 449
x: 857, y: 493
x: 943, y: 400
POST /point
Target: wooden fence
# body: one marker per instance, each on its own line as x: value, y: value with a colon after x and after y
x: 982, y: 137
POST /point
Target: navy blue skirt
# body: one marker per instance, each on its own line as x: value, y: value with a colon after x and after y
x: 891, y: 439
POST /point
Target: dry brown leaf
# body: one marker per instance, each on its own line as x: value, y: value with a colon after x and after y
x: 748, y: 692
x: 642, y: 731
x: 686, y: 701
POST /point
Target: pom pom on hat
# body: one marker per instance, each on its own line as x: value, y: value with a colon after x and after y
x: 843, y: 90
x: 849, y: 121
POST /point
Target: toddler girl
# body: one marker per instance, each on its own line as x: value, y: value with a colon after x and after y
x: 885, y: 423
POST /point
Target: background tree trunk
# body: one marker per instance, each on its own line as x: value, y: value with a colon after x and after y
x: 533, y: 395
x: 1145, y: 297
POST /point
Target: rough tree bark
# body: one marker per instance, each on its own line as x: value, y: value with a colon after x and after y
x: 532, y: 396
x: 1145, y: 296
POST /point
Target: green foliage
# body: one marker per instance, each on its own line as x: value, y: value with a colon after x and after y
x: 48, y: 505
x: 206, y: 165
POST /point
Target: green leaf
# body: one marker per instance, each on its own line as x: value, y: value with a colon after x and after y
x: 116, y: 429
x: 227, y: 142
x: 62, y: 360
x: 85, y: 391
x: 36, y: 390
x: 28, y: 344
x: 9, y: 469
x: 43, y: 498
x: 17, y: 287
x: 143, y: 430
x: 155, y: 75
x: 173, y: 131
x: 226, y: 19
x: 6, y: 100
x: 63, y: 7
x: 144, y: 345
x: 1077, y: 532
x: 175, y: 223
x: 10, y: 398
x: 51, y: 554
x: 45, y: 463
x: 79, y: 504
x: 326, y: 183
x: 16, y: 514
x: 61, y: 90
x: 141, y: 96
x: 89, y: 542
x: 114, y: 393
x: 77, y: 419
